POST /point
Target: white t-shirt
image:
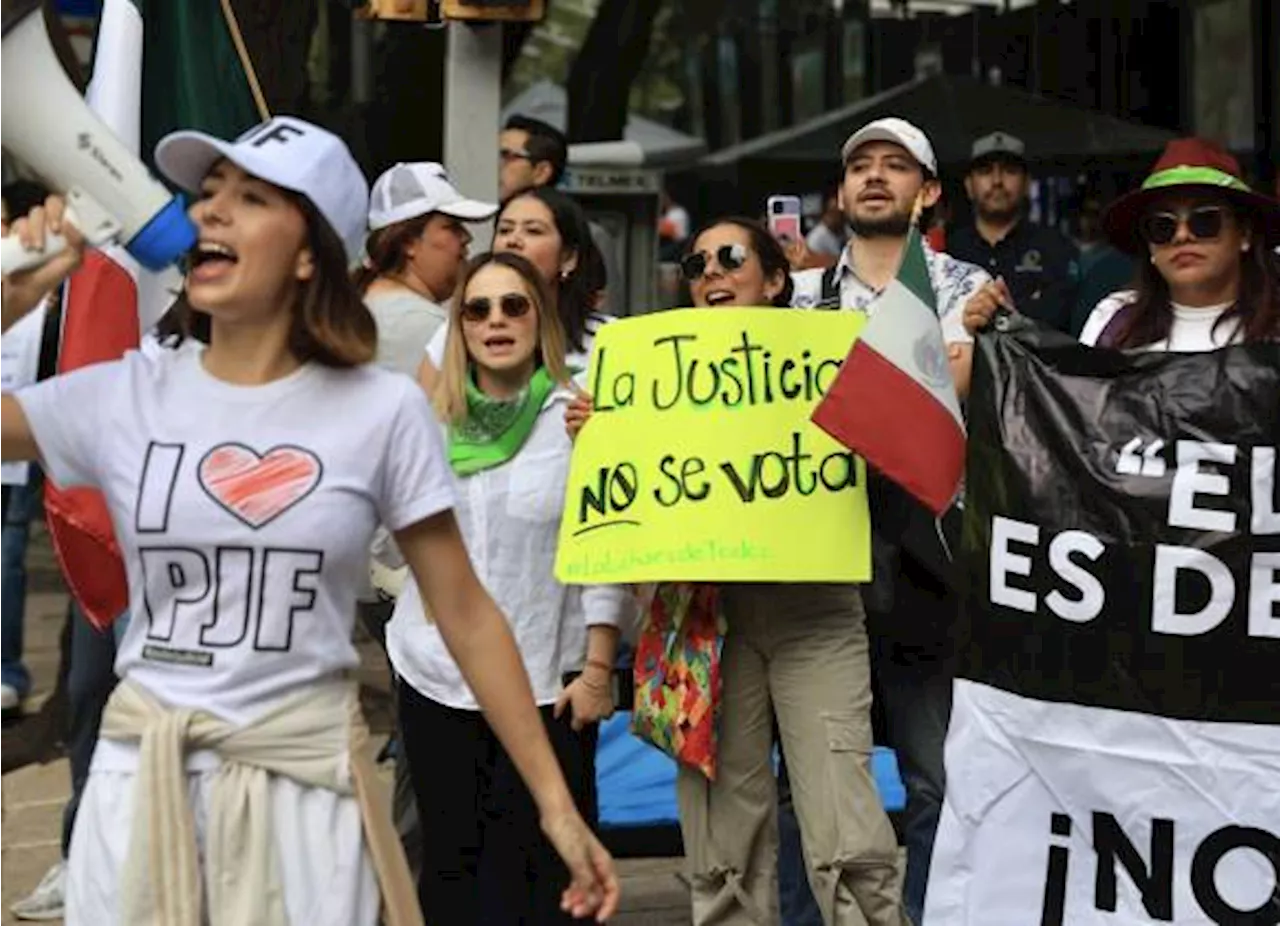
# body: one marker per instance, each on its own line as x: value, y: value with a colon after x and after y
x: 406, y: 321
x: 1192, y: 330
x: 19, y: 365
x: 244, y: 512
x: 575, y: 360
x: 510, y: 519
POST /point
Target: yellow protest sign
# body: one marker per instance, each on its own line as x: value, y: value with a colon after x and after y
x: 699, y: 461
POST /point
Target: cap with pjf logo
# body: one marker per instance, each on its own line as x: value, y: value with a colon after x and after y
x: 290, y: 153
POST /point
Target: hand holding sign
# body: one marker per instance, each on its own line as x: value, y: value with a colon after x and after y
x: 701, y: 462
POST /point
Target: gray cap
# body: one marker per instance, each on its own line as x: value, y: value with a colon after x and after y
x: 999, y: 143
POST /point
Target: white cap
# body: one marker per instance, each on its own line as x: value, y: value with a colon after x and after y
x: 289, y: 153
x: 900, y: 132
x: 407, y: 191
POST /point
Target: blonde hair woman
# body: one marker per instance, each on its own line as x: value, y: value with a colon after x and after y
x: 501, y: 396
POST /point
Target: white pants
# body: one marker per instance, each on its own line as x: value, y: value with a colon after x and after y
x: 324, y: 870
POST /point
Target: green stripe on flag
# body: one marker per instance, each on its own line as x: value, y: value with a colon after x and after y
x: 914, y: 272
x: 192, y: 77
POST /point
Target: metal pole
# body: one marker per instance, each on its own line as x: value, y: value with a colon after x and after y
x: 472, y: 109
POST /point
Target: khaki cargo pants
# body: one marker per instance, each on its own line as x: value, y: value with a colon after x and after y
x: 797, y: 652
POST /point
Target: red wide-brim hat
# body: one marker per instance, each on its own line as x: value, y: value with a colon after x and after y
x: 1189, y: 165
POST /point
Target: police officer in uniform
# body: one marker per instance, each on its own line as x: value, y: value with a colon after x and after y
x: 1038, y: 264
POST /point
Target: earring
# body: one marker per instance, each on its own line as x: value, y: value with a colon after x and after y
x: 564, y: 275
x: 1244, y: 246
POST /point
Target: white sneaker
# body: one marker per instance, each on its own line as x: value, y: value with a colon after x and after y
x: 46, y: 901
x: 9, y: 698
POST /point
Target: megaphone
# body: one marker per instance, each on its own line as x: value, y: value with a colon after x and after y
x: 46, y: 123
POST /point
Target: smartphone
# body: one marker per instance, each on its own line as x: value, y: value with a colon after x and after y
x: 783, y: 213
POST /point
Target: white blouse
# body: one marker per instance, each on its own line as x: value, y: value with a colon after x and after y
x: 510, y: 519
x: 1194, y: 328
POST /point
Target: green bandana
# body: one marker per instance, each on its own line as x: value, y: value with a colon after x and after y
x: 496, y: 429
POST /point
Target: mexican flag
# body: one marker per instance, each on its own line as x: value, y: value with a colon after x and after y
x: 894, y: 402
x: 158, y: 66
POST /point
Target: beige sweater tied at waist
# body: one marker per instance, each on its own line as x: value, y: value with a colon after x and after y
x: 315, y: 738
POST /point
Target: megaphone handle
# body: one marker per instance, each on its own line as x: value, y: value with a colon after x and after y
x: 14, y: 257
x: 83, y: 212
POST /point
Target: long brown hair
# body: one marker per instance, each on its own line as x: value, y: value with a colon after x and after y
x: 1257, y: 307
x: 330, y: 323
x: 579, y: 291
x: 386, y: 250
x: 450, y: 398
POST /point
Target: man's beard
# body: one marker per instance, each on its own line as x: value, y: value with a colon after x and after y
x: 999, y: 216
x: 891, y: 226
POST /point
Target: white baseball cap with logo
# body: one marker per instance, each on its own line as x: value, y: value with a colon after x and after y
x: 407, y: 191
x: 286, y: 152
x: 899, y: 132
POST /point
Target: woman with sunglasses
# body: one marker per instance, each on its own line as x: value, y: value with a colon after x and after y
x: 551, y: 231
x: 1206, y: 274
x: 245, y: 469
x: 794, y: 653
x: 501, y: 395
x: 1208, y: 278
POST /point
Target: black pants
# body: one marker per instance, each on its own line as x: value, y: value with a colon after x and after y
x: 484, y: 858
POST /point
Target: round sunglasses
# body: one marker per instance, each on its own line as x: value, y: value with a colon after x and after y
x: 1204, y: 223
x: 730, y: 257
x: 512, y: 305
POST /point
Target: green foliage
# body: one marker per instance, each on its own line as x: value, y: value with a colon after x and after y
x: 550, y: 50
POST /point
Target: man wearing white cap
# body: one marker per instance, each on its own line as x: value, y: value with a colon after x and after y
x: 416, y: 248
x: 888, y: 165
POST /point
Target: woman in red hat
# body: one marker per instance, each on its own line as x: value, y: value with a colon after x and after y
x: 1209, y: 277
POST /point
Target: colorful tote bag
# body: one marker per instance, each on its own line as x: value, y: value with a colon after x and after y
x: 677, y: 674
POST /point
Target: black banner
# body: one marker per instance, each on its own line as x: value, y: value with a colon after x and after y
x: 1121, y: 536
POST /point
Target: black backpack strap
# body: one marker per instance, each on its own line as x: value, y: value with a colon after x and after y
x: 829, y: 295
x: 51, y: 336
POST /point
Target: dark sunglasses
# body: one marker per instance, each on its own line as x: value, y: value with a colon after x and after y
x: 513, y: 305
x: 730, y: 257
x: 1204, y: 223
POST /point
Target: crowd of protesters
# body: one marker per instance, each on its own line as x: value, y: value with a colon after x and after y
x: 429, y: 403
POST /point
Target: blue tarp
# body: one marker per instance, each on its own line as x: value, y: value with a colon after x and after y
x: 637, y: 783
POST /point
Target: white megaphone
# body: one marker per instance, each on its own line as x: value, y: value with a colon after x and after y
x: 46, y: 123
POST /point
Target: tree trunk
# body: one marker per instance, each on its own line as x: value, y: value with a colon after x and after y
x: 610, y: 58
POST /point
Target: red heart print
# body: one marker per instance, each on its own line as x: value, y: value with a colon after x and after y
x: 258, y: 488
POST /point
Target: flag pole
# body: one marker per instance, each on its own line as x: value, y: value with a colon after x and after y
x: 233, y: 26
x: 917, y: 210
